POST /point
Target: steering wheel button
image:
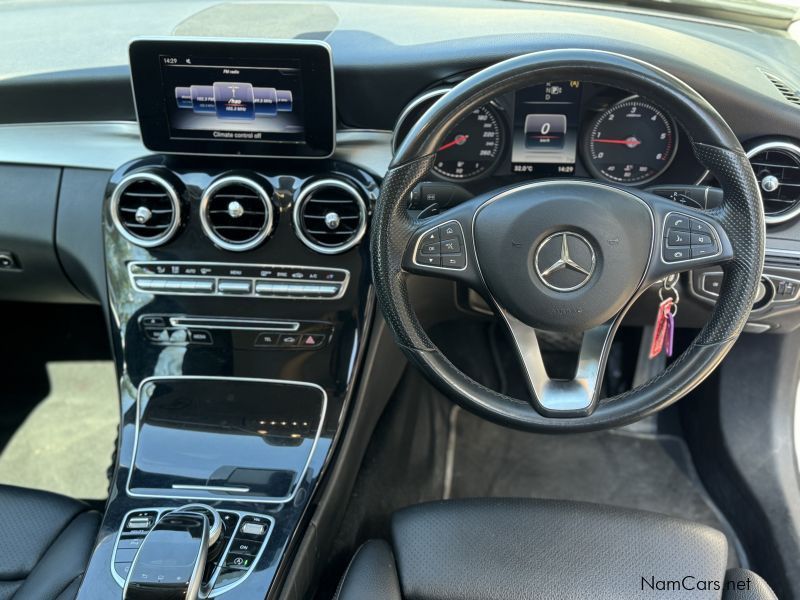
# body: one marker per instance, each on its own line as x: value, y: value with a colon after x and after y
x: 698, y: 226
x: 430, y: 261
x: 448, y: 231
x: 677, y: 221
x: 676, y: 254
x: 677, y: 238
x: 451, y: 246
x: 702, y: 239
x: 431, y: 236
x: 430, y: 248
x: 703, y: 251
x: 454, y: 261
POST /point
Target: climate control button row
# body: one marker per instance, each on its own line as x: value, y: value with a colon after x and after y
x: 254, y: 281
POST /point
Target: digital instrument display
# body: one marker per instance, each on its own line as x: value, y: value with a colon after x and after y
x: 546, y: 120
x: 241, y: 98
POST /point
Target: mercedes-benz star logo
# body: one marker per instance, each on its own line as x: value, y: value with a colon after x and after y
x: 565, y: 261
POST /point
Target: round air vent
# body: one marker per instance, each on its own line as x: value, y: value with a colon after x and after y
x: 236, y: 213
x: 330, y: 216
x: 777, y: 169
x: 145, y: 209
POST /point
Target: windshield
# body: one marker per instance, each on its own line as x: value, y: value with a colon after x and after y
x: 767, y: 13
x: 41, y: 36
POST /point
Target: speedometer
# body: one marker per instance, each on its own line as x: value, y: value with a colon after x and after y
x: 632, y: 142
x: 472, y: 147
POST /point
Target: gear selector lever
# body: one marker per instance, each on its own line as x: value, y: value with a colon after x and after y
x: 171, y: 561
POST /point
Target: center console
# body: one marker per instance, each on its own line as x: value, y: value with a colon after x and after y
x: 240, y: 302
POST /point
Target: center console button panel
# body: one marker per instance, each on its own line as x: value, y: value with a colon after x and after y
x: 242, y: 334
x: 241, y: 280
x: 242, y: 541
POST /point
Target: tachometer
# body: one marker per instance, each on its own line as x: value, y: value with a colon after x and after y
x: 472, y: 147
x: 631, y: 142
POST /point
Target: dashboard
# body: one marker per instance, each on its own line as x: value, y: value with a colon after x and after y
x: 220, y: 214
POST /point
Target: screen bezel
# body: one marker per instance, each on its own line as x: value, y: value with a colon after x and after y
x: 317, y: 75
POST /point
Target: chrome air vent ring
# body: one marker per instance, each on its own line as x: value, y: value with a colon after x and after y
x: 236, y: 213
x: 149, y: 216
x: 319, y: 221
x: 776, y: 165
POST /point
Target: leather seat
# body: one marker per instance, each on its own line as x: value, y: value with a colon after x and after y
x: 508, y: 549
x: 46, y: 541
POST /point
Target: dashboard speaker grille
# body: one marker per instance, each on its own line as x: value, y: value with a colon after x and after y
x: 330, y: 216
x: 777, y: 169
x: 236, y: 213
x: 786, y: 90
x: 145, y: 209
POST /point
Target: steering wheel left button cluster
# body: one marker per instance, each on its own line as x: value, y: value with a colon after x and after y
x: 442, y: 247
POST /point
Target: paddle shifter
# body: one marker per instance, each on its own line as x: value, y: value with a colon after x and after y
x: 172, y: 559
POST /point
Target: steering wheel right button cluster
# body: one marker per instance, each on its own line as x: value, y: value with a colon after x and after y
x: 686, y: 238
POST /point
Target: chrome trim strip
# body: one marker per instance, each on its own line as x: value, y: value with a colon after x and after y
x: 212, y: 488
x: 303, y: 196
x: 123, y: 185
x: 208, y: 229
x: 108, y: 144
x: 342, y: 284
x: 225, y: 323
x: 247, y: 499
x: 267, y: 43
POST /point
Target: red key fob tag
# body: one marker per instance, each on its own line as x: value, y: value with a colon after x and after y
x: 663, y: 330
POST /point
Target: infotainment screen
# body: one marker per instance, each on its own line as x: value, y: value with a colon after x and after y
x: 238, y: 98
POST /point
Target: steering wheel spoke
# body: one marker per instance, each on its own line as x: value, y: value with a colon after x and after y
x: 576, y: 397
x: 443, y: 246
x: 685, y: 238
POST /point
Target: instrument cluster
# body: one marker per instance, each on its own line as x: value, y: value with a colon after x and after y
x: 560, y: 129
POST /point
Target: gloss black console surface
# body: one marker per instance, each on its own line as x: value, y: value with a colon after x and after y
x: 231, y: 399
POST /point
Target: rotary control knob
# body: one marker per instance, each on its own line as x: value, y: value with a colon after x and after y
x: 214, y: 520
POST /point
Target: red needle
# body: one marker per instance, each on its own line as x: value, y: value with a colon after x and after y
x: 460, y: 139
x: 630, y: 142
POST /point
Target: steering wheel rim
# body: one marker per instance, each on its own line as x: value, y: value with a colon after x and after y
x: 738, y: 223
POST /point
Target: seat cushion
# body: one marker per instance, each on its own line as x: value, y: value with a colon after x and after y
x: 372, y: 574
x: 510, y: 549
x: 46, y: 541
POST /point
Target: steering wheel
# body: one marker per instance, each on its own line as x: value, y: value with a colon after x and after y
x: 568, y: 255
